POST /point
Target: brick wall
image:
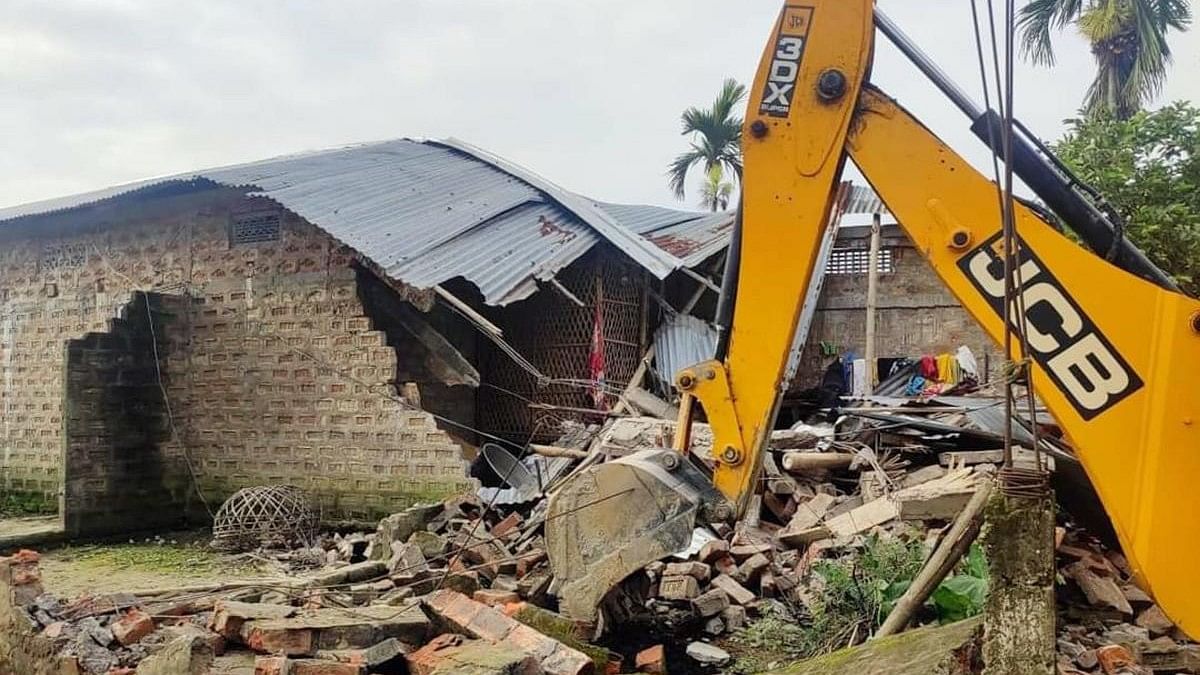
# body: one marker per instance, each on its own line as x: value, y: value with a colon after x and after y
x: 117, y: 474
x: 916, y: 313
x: 275, y: 372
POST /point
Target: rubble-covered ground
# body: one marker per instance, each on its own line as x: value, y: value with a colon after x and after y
x: 847, y: 516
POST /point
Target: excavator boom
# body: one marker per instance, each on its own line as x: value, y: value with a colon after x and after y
x: 1115, y: 354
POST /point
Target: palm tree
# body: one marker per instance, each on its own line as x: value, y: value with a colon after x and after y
x: 1128, y: 39
x: 716, y: 138
x: 715, y: 191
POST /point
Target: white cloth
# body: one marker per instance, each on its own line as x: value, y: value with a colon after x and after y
x: 966, y: 361
x: 859, y: 385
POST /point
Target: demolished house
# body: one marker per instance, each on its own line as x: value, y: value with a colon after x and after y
x: 316, y: 320
x: 299, y: 346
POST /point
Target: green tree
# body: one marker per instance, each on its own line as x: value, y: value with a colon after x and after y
x: 1128, y: 40
x: 716, y: 137
x: 715, y: 191
x: 1148, y: 168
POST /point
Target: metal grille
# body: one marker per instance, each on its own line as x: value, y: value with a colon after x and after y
x: 857, y: 261
x: 555, y: 334
x: 254, y: 228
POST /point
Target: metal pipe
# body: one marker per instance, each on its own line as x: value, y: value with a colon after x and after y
x: 729, y: 284
x: 1033, y: 163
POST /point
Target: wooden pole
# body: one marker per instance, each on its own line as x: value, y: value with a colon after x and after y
x: 872, y: 296
x: 945, y: 557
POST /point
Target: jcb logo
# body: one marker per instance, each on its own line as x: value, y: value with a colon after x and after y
x: 1063, y: 340
x: 780, y: 89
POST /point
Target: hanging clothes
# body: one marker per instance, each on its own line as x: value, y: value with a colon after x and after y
x: 944, y: 369
x: 928, y: 368
x: 859, y: 382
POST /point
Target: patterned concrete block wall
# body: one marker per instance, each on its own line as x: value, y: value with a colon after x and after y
x: 117, y: 427
x: 279, y: 375
x: 916, y: 314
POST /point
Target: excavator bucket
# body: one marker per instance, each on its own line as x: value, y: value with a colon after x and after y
x: 611, y: 520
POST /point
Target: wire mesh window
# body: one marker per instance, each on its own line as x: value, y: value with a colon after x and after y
x: 857, y: 261
x: 254, y: 228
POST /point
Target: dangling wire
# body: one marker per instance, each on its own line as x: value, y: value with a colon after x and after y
x: 1015, y: 481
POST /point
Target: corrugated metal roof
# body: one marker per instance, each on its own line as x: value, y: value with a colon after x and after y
x: 427, y: 212
x: 691, y: 237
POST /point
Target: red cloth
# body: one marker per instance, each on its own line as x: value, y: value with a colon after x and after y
x: 929, y: 369
x: 596, y: 361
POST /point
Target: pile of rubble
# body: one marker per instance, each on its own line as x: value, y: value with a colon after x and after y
x: 465, y: 585
x: 1106, y: 623
x: 427, y: 594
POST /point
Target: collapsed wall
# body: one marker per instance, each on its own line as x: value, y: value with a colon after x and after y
x: 273, y: 368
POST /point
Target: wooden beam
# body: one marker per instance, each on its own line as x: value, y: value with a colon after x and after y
x: 941, y: 563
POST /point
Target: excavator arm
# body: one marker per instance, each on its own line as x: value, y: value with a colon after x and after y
x: 1115, y: 354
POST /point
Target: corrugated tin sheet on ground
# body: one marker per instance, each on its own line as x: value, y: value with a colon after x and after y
x: 427, y: 212
x: 681, y: 341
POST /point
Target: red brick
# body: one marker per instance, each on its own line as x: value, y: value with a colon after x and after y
x: 289, y: 641
x: 25, y: 556
x: 507, y: 525
x: 1114, y: 659
x: 478, y: 620
x: 493, y: 598
x: 323, y: 667
x: 714, y: 549
x: 272, y: 665
x: 132, y: 626
x: 651, y: 660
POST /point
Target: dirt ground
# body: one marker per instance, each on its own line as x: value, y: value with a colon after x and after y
x: 169, y: 560
x: 27, y: 526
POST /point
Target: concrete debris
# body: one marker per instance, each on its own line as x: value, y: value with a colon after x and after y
x: 1107, y: 624
x: 465, y: 586
x: 707, y: 653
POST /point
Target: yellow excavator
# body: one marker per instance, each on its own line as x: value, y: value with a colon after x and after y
x: 1114, y: 345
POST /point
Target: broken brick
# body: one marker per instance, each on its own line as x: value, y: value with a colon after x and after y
x: 751, y: 568
x: 699, y: 570
x: 492, y: 597
x: 132, y: 626
x: 1114, y: 659
x: 651, y: 660
x: 510, y: 523
x: 711, y: 603
x: 449, y: 653
x: 229, y: 616
x: 736, y: 592
x: 712, y: 550
x: 272, y: 665
x: 464, y: 615
x: 323, y: 667
x: 678, y: 587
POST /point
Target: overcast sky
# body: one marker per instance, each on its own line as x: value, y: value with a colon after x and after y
x: 585, y: 92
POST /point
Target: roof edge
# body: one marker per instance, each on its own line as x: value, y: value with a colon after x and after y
x: 654, y: 259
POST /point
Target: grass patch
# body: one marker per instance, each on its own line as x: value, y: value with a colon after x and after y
x: 157, y: 555
x: 22, y: 504
x: 850, y: 598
